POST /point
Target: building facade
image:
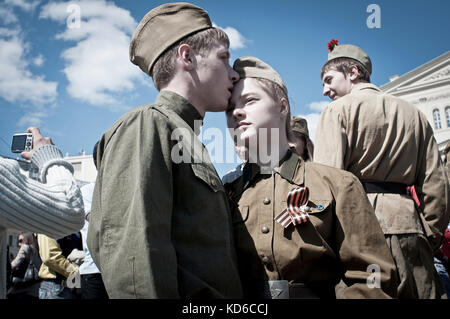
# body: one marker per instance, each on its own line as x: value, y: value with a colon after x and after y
x: 428, y: 88
x: 84, y: 169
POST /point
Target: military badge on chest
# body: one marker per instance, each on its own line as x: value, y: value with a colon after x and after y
x: 297, y: 209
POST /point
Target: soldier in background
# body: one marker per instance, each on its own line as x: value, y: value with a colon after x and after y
x: 299, y: 138
x: 389, y: 145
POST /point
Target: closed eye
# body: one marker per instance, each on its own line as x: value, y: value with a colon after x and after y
x: 251, y: 100
x: 225, y: 56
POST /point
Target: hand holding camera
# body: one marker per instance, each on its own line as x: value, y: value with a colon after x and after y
x: 27, y: 143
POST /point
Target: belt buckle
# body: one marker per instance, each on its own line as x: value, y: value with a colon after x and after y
x: 279, y: 289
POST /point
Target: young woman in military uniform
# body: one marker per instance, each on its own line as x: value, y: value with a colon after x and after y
x: 300, y: 228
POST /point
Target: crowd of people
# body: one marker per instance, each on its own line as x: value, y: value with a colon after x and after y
x: 362, y: 213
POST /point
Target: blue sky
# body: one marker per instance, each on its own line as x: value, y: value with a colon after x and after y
x: 75, y: 82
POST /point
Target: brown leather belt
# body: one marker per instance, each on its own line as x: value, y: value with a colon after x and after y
x: 385, y: 187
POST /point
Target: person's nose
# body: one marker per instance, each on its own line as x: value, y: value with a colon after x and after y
x: 326, y: 90
x: 238, y: 113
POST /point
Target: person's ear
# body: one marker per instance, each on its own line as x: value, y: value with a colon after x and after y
x: 354, y: 73
x: 284, y: 107
x: 186, y: 57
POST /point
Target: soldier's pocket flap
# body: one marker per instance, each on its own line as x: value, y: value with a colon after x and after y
x: 207, y: 174
x: 318, y: 205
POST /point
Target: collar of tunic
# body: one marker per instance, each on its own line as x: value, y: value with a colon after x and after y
x: 181, y: 107
x: 290, y: 168
x: 364, y: 86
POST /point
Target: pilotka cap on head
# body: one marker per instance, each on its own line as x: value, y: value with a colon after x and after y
x: 163, y: 26
x: 251, y: 67
x: 299, y: 124
x: 349, y: 51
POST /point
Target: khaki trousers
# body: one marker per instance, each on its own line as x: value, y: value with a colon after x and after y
x: 413, y: 256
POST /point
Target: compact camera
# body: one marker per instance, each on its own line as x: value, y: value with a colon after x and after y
x: 22, y: 142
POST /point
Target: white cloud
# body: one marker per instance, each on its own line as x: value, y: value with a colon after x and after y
x: 39, y: 60
x: 313, y: 118
x: 318, y: 106
x: 6, y: 32
x: 32, y: 119
x: 97, y: 66
x: 7, y: 16
x: 17, y: 83
x: 237, y: 40
x: 23, y: 4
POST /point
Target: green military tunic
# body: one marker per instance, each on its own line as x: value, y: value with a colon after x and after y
x: 379, y: 137
x: 161, y: 228
x: 339, y: 242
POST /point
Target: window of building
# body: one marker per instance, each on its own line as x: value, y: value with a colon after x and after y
x: 437, y: 119
x: 76, y: 167
x: 447, y: 115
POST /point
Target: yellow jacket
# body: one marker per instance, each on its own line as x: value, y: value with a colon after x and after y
x: 53, y: 261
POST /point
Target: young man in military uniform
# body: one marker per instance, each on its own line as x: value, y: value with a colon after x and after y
x: 161, y: 226
x: 389, y: 145
x: 289, y: 248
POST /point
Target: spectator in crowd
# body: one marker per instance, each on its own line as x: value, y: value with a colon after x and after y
x: 92, y: 286
x: 56, y: 270
x: 447, y: 158
x: 231, y: 175
x: 52, y: 206
x: 28, y: 254
x: 441, y: 261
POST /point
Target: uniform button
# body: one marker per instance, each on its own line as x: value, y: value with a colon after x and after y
x: 266, y: 201
x: 265, y: 259
x: 265, y: 229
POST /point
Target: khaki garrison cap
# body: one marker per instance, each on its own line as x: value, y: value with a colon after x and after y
x: 251, y: 67
x: 163, y: 26
x: 299, y: 124
x: 353, y: 52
